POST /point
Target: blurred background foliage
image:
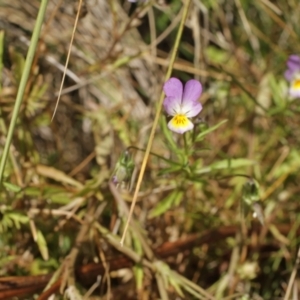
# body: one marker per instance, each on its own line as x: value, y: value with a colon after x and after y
x: 193, y: 223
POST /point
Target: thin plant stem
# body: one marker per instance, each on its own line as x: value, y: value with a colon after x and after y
x: 23, y: 82
x: 186, y: 148
x: 292, y: 277
x: 187, y: 283
x: 160, y: 103
x: 161, y: 287
x: 68, y: 58
x: 1, y: 55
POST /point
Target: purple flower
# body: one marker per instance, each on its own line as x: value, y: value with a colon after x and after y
x: 292, y: 74
x: 181, y: 103
x: 133, y: 1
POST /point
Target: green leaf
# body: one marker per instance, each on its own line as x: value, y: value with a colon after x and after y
x: 138, y: 270
x: 171, y: 169
x: 168, y: 135
x: 18, y: 219
x: 39, y: 266
x: 12, y: 187
x: 202, y: 134
x: 57, y: 194
x: 176, y: 285
x: 42, y: 245
x: 18, y: 63
x: 11, y: 219
x: 277, y: 93
x: 216, y: 55
x: 226, y: 164
x: 139, y: 275
x: 172, y: 199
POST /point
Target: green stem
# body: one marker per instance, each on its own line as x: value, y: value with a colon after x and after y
x: 1, y: 55
x: 23, y: 82
x: 186, y: 147
x: 155, y: 123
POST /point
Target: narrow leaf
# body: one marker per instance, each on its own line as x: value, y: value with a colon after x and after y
x: 202, y: 134
x: 166, y: 204
x: 226, y: 164
x: 12, y: 187
x: 42, y: 245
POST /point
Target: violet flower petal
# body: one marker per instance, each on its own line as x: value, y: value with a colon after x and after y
x: 173, y: 88
x: 192, y: 91
x: 289, y: 74
x: 293, y: 63
x: 294, y: 93
x: 191, y: 108
x: 172, y: 105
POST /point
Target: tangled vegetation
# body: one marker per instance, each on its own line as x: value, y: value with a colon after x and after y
x: 89, y: 136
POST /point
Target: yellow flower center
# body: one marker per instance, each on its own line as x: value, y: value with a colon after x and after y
x: 296, y: 84
x: 180, y: 121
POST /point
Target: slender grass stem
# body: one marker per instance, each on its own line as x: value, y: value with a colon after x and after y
x: 23, y: 82
x: 160, y: 103
x: 1, y: 55
x: 68, y: 58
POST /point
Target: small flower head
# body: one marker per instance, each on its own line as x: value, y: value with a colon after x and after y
x: 292, y: 74
x: 123, y: 169
x: 182, y: 103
